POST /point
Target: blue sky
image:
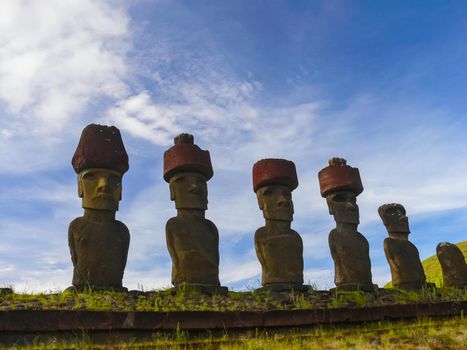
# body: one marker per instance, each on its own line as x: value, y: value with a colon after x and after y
x: 382, y: 84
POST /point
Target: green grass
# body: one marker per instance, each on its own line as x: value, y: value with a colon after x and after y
x: 445, y: 334
x: 432, y: 267
x: 192, y: 300
x: 440, y: 334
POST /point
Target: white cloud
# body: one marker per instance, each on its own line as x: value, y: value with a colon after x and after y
x: 56, y: 58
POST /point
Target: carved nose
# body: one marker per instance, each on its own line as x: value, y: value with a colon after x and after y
x: 193, y: 188
x: 351, y: 207
x: 102, y: 184
x: 404, y: 219
x: 283, y: 202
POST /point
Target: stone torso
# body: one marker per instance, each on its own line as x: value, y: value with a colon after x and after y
x: 453, y: 265
x: 194, y: 247
x: 280, y: 255
x: 350, y: 252
x: 404, y: 260
x: 99, y: 252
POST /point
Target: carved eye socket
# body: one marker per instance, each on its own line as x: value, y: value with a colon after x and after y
x: 179, y: 179
x: 339, y: 198
x: 89, y: 177
x: 114, y: 180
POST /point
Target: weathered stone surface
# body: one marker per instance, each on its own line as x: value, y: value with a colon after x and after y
x: 185, y: 156
x: 273, y: 172
x: 278, y: 247
x: 339, y: 176
x: 100, y: 146
x: 99, y: 243
x: 340, y: 184
x: 453, y: 265
x: 47, y: 321
x: 192, y: 240
x: 403, y: 257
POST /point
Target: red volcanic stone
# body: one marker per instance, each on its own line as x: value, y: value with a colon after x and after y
x: 274, y: 171
x: 100, y: 146
x: 185, y: 156
x: 339, y: 176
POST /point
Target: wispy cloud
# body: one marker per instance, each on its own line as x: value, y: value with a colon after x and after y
x: 55, y: 59
x: 63, y: 65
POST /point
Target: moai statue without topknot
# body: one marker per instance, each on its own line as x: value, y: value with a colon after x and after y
x: 99, y: 243
x: 403, y: 257
x: 192, y: 240
x: 340, y: 184
x: 278, y: 247
x: 453, y: 265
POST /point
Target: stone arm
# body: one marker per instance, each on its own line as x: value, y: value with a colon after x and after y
x: 215, y: 232
x: 170, y: 242
x: 259, y: 248
x: 126, y: 243
x: 71, y: 244
x: 332, y: 247
x: 393, y: 261
x: 387, y: 251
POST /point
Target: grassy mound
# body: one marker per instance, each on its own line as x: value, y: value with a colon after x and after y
x: 433, y: 268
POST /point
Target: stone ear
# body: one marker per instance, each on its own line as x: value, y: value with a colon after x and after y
x: 172, y: 191
x: 259, y: 197
x: 330, y: 206
x: 80, y: 187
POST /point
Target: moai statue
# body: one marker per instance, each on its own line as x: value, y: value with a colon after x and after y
x: 192, y: 240
x: 453, y: 264
x: 278, y: 247
x: 99, y: 243
x: 340, y: 184
x: 403, y: 258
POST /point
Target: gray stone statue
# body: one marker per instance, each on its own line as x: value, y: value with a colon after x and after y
x: 278, y: 247
x: 453, y: 265
x: 192, y: 240
x: 340, y: 184
x: 403, y: 258
x: 99, y: 243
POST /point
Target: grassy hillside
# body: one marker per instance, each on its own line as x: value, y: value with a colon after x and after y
x: 433, y: 268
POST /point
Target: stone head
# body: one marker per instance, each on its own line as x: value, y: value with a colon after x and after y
x: 100, y: 188
x: 343, y: 205
x: 276, y: 202
x: 273, y: 181
x: 394, y: 218
x: 187, y: 168
x: 189, y: 190
x: 100, y: 160
x: 340, y: 184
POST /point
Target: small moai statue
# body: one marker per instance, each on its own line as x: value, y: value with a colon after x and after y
x: 278, y: 247
x: 453, y: 265
x: 192, y: 240
x: 98, y: 242
x: 340, y: 184
x: 403, y: 257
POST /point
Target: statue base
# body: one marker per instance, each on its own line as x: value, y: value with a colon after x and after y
x: 81, y: 289
x: 284, y: 287
x: 207, y: 289
x: 352, y: 287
